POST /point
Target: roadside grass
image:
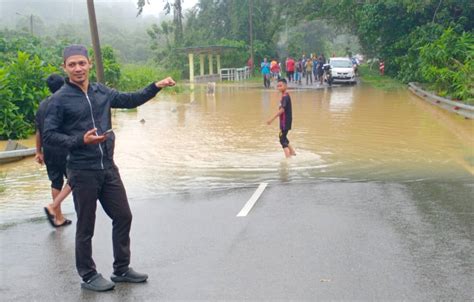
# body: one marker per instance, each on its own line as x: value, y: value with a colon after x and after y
x: 256, y: 78
x: 373, y: 78
x: 134, y: 77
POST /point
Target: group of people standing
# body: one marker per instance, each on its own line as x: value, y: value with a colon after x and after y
x: 306, y: 67
x: 270, y: 71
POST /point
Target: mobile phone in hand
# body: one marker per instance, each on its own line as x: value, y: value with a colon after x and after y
x: 108, y: 131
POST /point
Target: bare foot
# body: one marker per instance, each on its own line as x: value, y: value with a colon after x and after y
x: 58, y: 215
x: 52, y: 210
x: 59, y: 221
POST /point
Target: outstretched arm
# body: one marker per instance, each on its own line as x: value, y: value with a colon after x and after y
x: 135, y: 99
x: 280, y: 112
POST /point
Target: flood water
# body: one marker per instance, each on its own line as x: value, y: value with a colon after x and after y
x: 195, y: 141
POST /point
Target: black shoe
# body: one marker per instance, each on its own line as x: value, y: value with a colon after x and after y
x: 129, y: 276
x: 98, y: 283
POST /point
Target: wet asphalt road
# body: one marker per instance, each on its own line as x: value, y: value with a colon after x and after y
x: 314, y: 241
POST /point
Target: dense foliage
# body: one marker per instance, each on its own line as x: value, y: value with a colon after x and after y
x: 448, y: 65
x: 25, y: 64
x: 426, y: 41
x: 135, y: 77
x: 111, y: 66
x: 22, y: 87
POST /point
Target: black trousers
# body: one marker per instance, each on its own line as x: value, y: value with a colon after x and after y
x: 88, y: 186
x: 266, y: 80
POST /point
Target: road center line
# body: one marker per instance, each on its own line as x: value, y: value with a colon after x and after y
x: 248, y: 206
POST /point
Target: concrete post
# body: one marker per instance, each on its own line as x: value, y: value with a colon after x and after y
x: 218, y: 64
x: 211, y: 69
x: 191, y: 67
x: 201, y: 63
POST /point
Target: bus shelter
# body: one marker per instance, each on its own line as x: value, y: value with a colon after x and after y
x: 212, y: 53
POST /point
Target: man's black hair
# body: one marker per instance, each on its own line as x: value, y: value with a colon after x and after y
x: 54, y: 82
x: 283, y: 81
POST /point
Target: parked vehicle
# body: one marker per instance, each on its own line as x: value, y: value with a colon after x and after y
x: 342, y: 70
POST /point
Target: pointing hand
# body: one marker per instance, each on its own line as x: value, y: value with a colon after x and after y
x: 167, y: 82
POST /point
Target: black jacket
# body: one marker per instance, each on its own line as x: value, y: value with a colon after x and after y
x: 71, y: 113
x: 53, y: 155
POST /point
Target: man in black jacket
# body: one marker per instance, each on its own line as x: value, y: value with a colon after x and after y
x: 77, y: 119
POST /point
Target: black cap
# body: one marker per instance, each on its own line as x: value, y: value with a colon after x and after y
x: 73, y: 50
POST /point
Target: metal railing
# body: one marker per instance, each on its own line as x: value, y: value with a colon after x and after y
x: 453, y: 106
x: 235, y: 74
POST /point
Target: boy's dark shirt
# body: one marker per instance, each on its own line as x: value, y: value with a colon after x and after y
x: 52, y: 154
x: 286, y: 117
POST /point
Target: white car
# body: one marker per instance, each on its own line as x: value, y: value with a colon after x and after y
x: 342, y: 70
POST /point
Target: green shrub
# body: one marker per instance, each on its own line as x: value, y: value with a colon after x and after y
x: 12, y: 121
x: 447, y: 65
x: 111, y: 67
x: 47, y: 49
x: 410, y: 61
x: 22, y: 87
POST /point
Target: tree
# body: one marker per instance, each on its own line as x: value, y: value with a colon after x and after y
x: 177, y: 16
x: 385, y: 27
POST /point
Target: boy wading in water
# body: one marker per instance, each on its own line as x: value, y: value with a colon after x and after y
x: 286, y: 117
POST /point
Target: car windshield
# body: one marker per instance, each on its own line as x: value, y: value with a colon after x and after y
x: 341, y: 63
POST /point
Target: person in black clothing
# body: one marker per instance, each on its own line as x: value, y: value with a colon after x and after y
x: 54, y: 158
x: 77, y: 119
x: 321, y: 62
x: 286, y: 118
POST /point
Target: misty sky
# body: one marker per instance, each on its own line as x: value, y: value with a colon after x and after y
x: 153, y: 8
x: 156, y: 5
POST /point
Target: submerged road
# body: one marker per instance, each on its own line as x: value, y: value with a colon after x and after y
x: 313, y: 241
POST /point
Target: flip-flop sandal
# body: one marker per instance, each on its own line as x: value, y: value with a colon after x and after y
x: 65, y: 223
x: 50, y: 217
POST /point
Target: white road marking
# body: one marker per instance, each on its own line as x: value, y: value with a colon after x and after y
x: 248, y: 206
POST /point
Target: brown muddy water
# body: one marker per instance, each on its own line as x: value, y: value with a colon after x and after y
x: 196, y: 141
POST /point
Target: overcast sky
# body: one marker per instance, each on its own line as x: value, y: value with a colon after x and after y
x: 157, y: 5
x: 154, y: 8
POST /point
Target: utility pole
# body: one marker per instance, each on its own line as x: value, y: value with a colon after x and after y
x: 31, y: 24
x: 95, y: 41
x: 251, y: 33
x: 31, y: 21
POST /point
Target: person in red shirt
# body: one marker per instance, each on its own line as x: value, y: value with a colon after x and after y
x: 382, y: 67
x: 275, y: 69
x: 250, y: 65
x: 290, y: 69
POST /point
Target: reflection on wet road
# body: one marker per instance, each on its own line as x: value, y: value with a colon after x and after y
x: 194, y: 141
